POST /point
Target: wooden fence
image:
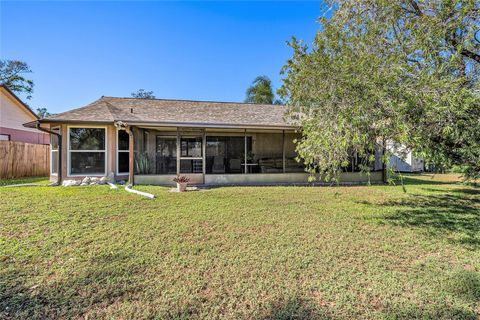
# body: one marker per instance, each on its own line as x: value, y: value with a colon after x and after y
x: 19, y: 159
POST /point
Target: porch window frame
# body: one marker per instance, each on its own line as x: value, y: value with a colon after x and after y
x: 69, y: 151
x: 117, y: 171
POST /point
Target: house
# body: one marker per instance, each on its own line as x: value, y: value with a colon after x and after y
x: 403, y: 159
x: 13, y: 114
x: 150, y: 141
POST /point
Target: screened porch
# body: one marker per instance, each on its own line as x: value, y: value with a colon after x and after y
x: 161, y: 153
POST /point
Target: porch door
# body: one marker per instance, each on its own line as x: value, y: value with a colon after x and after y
x: 191, y: 155
x: 166, y: 155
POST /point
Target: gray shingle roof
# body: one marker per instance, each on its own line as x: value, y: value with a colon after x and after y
x: 110, y: 109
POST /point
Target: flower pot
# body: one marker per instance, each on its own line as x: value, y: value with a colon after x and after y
x: 181, y: 186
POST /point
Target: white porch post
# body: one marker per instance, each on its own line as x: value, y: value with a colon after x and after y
x: 178, y: 152
x: 204, y: 155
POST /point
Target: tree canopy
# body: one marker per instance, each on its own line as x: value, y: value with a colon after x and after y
x: 384, y: 71
x: 143, y: 94
x: 12, y: 76
x: 261, y: 91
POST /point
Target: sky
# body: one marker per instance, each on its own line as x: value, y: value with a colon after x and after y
x: 79, y: 51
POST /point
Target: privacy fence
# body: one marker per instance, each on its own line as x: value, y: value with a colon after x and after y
x: 19, y: 159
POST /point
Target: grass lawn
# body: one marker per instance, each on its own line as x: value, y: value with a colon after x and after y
x: 242, y: 252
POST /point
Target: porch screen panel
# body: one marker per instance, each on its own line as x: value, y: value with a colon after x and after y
x: 268, y: 152
x: 166, y: 155
x: 226, y: 154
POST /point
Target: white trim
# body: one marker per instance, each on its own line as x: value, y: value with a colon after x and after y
x: 69, y: 174
x: 118, y: 173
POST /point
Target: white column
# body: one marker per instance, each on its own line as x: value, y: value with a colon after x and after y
x: 204, y: 156
x: 178, y: 152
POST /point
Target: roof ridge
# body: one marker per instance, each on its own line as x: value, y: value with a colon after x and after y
x: 109, y: 106
x: 190, y: 100
x: 75, y: 109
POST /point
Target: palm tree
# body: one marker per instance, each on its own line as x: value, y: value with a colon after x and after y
x: 260, y: 91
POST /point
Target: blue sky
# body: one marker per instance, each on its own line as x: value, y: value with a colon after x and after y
x: 80, y: 51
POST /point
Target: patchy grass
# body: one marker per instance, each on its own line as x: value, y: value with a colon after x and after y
x: 242, y: 252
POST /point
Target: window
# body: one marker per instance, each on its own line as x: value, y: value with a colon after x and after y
x: 54, y: 152
x: 4, y: 137
x: 166, y: 155
x: 87, y: 151
x: 123, y: 147
x: 191, y: 155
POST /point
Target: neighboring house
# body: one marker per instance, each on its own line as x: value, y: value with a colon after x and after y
x: 13, y: 114
x: 403, y: 160
x: 150, y: 141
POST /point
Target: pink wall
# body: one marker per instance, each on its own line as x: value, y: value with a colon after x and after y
x: 26, y: 136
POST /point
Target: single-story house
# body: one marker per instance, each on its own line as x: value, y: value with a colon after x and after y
x: 150, y: 141
x: 13, y: 114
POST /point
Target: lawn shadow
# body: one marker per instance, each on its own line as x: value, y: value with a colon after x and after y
x: 464, y: 285
x: 294, y: 308
x: 454, y: 214
x: 102, y: 282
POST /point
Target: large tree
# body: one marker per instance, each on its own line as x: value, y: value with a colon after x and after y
x: 382, y: 71
x: 43, y: 113
x: 261, y: 91
x: 12, y: 76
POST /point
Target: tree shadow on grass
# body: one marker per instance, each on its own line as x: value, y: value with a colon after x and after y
x: 464, y: 285
x: 96, y: 286
x: 454, y: 214
x: 294, y: 308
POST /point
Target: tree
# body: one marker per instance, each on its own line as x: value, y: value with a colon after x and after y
x: 43, y: 113
x: 142, y: 94
x: 382, y: 71
x: 261, y: 91
x: 11, y: 76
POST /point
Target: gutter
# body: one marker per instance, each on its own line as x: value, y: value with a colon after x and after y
x: 59, y: 173
x: 209, y: 125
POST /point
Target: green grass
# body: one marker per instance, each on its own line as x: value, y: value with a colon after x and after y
x: 36, y: 180
x: 242, y: 252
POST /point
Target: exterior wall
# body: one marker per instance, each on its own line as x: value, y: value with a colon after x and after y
x: 403, y: 160
x: 25, y: 136
x: 12, y: 117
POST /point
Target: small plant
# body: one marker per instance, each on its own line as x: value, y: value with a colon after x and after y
x: 181, y: 179
x: 142, y: 163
